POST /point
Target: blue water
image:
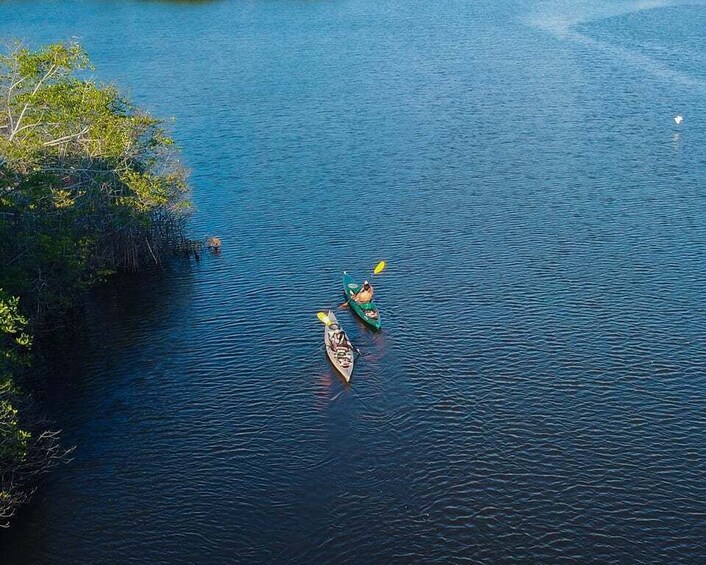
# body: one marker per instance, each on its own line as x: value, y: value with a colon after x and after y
x: 539, y: 389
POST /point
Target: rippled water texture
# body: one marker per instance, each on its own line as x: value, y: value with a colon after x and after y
x: 539, y: 388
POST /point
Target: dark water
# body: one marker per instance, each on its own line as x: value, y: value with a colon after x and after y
x: 539, y: 389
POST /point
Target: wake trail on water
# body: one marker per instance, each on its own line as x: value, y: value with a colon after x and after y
x: 562, y: 19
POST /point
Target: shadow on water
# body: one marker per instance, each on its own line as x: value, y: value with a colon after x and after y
x: 80, y: 363
x: 117, y: 319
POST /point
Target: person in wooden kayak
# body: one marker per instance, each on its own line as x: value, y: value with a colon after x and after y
x: 364, y: 295
x: 338, y: 339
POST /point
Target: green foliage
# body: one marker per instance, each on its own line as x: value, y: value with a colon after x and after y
x: 23, y: 454
x: 13, y: 337
x: 89, y: 184
x: 13, y: 439
x: 14, y: 347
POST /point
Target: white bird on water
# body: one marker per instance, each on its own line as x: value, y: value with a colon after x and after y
x: 678, y: 119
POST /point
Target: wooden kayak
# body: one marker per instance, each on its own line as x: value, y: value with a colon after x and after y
x: 341, y: 356
x: 366, y: 312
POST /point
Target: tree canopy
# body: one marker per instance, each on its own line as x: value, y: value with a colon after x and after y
x: 89, y: 184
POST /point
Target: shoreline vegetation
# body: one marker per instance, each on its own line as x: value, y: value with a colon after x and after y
x: 90, y: 186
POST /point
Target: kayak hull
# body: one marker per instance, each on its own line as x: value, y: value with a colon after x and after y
x: 370, y: 315
x: 343, y: 361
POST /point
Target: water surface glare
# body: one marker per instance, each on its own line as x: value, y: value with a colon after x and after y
x: 539, y: 389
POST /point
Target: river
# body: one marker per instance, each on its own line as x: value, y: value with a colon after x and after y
x: 539, y: 388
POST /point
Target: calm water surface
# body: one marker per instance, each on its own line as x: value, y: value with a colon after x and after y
x: 539, y: 389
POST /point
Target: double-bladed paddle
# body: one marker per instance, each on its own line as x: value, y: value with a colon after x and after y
x: 324, y: 318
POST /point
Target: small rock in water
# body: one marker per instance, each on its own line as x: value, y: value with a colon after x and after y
x: 678, y: 119
x: 214, y: 243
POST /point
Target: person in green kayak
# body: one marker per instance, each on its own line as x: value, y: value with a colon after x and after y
x: 364, y: 295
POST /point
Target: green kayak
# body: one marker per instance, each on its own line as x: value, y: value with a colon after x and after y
x: 366, y: 312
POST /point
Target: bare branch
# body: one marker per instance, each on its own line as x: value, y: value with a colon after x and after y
x: 50, y: 73
x: 65, y: 138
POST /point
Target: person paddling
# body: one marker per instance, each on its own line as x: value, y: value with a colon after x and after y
x: 339, y: 339
x: 364, y: 295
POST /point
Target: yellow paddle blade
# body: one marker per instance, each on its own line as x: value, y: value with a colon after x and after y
x: 379, y: 268
x: 324, y: 318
